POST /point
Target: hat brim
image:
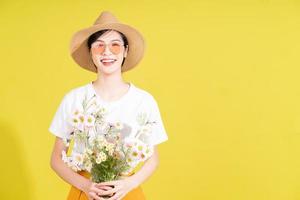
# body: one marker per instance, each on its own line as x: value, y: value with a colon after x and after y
x: 80, y: 52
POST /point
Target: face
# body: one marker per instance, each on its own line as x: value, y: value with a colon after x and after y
x: 108, y: 51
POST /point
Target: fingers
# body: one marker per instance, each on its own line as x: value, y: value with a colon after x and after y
x: 109, y: 183
x: 97, y: 190
x: 104, y: 187
x: 94, y: 196
x: 112, y: 191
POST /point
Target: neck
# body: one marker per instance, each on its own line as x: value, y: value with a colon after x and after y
x: 110, y: 85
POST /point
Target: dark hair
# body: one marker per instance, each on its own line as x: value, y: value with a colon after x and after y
x: 97, y: 34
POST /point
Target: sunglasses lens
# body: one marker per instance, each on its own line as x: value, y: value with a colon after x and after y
x: 99, y: 49
x: 115, y: 48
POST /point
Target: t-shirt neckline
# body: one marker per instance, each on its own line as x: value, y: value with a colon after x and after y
x: 120, y: 99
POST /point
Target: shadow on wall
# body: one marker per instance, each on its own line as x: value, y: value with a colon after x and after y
x: 14, y: 178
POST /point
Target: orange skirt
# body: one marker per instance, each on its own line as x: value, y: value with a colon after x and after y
x: 76, y: 194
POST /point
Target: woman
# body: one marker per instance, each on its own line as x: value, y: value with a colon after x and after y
x: 107, y: 48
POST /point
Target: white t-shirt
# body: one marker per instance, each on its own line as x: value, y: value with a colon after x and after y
x: 125, y: 110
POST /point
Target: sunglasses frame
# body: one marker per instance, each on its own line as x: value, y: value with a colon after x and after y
x: 109, y: 45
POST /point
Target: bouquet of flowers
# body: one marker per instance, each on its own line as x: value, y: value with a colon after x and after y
x: 100, y: 147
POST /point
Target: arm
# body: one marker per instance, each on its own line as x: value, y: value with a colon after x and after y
x: 146, y: 170
x: 67, y: 174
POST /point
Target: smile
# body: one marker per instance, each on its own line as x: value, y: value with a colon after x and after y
x: 108, y: 62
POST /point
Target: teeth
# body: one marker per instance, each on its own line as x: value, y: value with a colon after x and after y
x: 111, y: 60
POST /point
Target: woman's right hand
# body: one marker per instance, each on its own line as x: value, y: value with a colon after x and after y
x: 93, y: 192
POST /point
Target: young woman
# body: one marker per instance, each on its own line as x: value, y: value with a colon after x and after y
x: 107, y: 48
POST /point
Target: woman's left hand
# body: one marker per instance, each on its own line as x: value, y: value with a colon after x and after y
x: 120, y: 187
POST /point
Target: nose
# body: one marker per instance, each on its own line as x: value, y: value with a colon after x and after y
x: 106, y: 50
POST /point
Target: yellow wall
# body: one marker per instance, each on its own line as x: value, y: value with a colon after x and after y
x: 225, y: 75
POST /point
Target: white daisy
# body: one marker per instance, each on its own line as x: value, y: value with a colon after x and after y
x: 75, y: 121
x: 102, y: 156
x: 89, y: 120
x: 98, y: 160
x: 77, y: 158
x: 88, y: 166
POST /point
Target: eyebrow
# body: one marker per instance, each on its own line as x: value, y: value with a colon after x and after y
x: 111, y: 40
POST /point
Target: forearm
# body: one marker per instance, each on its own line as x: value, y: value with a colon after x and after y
x: 146, y: 170
x: 68, y: 175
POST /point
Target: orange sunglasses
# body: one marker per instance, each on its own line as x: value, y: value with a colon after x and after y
x: 114, y: 47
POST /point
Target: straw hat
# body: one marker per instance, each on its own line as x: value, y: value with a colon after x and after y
x: 79, y: 48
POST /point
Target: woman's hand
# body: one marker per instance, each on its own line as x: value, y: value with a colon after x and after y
x: 120, y: 187
x: 94, y: 191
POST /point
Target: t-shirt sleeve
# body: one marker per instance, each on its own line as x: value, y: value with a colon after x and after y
x: 158, y: 133
x: 60, y: 125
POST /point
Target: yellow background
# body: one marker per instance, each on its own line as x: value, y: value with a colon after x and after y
x: 224, y: 73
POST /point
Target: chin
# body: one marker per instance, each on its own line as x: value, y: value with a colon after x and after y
x: 109, y: 70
